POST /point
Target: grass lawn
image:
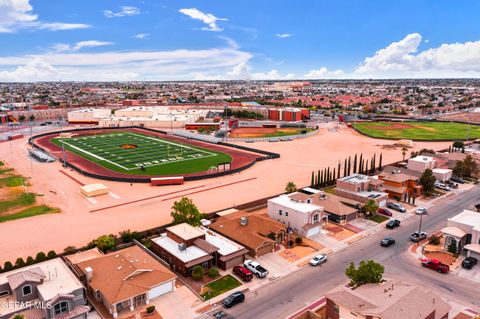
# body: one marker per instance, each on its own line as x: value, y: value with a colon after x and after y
x: 29, y: 212
x: 329, y: 190
x: 419, y: 130
x: 220, y: 286
x: 127, y: 152
x: 5, y: 170
x: 378, y: 218
x: 23, y: 199
x: 13, y: 181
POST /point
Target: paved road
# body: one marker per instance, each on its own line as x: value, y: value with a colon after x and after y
x: 289, y: 294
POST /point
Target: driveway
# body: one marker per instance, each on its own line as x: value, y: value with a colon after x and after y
x: 177, y: 304
x: 472, y: 274
x: 276, y: 265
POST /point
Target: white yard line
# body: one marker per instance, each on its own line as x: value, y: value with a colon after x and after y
x: 112, y: 195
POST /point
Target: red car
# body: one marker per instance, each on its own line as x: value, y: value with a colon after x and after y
x: 385, y: 212
x: 243, y: 273
x: 436, y: 265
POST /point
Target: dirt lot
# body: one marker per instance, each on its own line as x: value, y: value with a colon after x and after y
x: 84, y: 220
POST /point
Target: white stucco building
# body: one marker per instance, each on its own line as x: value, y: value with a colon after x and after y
x: 421, y: 163
x: 463, y: 230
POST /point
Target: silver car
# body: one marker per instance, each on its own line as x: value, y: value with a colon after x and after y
x: 319, y: 259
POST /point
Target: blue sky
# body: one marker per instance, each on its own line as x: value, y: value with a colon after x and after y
x: 269, y: 39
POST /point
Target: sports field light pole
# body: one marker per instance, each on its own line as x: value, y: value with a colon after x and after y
x: 64, y: 155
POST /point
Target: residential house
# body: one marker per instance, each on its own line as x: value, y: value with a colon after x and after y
x: 297, y: 212
x: 400, y: 183
x: 184, y: 247
x: 442, y: 174
x: 421, y: 163
x: 124, y: 280
x: 45, y: 290
x: 389, y: 300
x: 258, y: 233
x: 463, y: 231
x: 362, y: 188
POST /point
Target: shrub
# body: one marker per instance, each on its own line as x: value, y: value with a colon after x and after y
x: 30, y: 260
x: 452, y: 248
x: 105, y: 243
x: 128, y: 235
x: 150, y: 309
x: 1, y: 270
x: 197, y: 273
x: 70, y: 250
x: 298, y: 240
x: 434, y: 240
x: 40, y: 257
x: 19, y: 263
x: 290, y: 243
x: 7, y: 266
x: 213, y: 273
x: 51, y: 254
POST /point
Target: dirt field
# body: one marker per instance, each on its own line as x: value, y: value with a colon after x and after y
x: 83, y: 220
x: 246, y: 132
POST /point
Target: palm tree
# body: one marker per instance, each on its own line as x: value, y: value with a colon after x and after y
x: 290, y: 187
x: 404, y: 152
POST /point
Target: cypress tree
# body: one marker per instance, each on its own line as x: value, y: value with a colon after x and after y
x: 312, y: 180
x: 380, y: 162
x: 333, y: 177
x: 349, y: 166
x: 320, y: 179
x: 327, y: 181
x: 355, y: 164
x: 361, y: 163
x: 338, y: 171
x: 345, y: 168
x: 374, y: 160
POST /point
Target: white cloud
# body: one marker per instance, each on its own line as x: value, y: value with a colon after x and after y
x: 142, y: 36
x: 18, y: 14
x: 111, y: 66
x: 402, y: 59
x: 324, y: 73
x: 207, y: 18
x: 243, y: 71
x: 124, y: 12
x: 62, y: 47
x: 283, y: 35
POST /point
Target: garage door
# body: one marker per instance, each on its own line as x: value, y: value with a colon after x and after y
x: 234, y: 261
x: 160, y: 290
x: 312, y: 231
x: 383, y: 203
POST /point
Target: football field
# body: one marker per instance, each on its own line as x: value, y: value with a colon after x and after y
x: 135, y: 153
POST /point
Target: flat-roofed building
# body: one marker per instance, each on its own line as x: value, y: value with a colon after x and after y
x: 362, y: 188
x: 42, y: 291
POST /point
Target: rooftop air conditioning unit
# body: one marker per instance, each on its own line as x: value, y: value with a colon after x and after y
x: 182, y: 247
x: 244, y: 220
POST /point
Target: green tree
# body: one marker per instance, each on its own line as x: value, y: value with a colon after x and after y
x: 380, y: 162
x: 51, y: 254
x: 404, y: 152
x: 18, y: 316
x: 128, y: 235
x: 370, y: 207
x: 427, y: 180
x: 290, y: 187
x: 197, y: 273
x: 459, y: 169
x: 213, y: 273
x: 30, y: 260
x: 21, y: 118
x: 355, y: 164
x: 105, y: 243
x: 184, y: 211
x: 471, y: 167
x: 7, y: 266
x: 19, y: 263
x: 40, y: 257
x: 312, y: 181
x: 368, y: 271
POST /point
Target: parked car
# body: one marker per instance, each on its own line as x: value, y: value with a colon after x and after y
x: 392, y: 223
x: 457, y: 180
x: 451, y: 184
x: 469, y: 262
x: 256, y: 268
x: 242, y: 272
x: 421, y: 211
x: 317, y: 260
x: 233, y: 299
x: 43, y: 124
x: 442, y: 186
x: 418, y: 236
x: 396, y: 206
x: 387, y: 241
x: 436, y: 265
x: 385, y: 212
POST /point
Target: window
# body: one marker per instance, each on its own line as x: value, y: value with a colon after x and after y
x: 280, y: 212
x: 3, y: 293
x: 315, y: 218
x: 27, y: 290
x: 61, y: 307
x: 286, y: 214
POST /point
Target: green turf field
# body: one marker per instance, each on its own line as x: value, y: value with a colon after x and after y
x: 127, y: 152
x: 419, y: 130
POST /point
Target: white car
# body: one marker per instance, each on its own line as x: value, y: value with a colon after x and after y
x: 317, y: 260
x: 442, y: 186
x: 421, y: 211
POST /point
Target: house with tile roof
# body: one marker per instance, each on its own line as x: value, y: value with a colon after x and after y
x: 391, y: 299
x: 45, y: 290
x: 124, y: 280
x: 258, y: 233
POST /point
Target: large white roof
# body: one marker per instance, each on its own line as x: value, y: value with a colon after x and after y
x: 286, y: 201
x: 190, y: 253
x: 225, y: 246
x: 467, y: 217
